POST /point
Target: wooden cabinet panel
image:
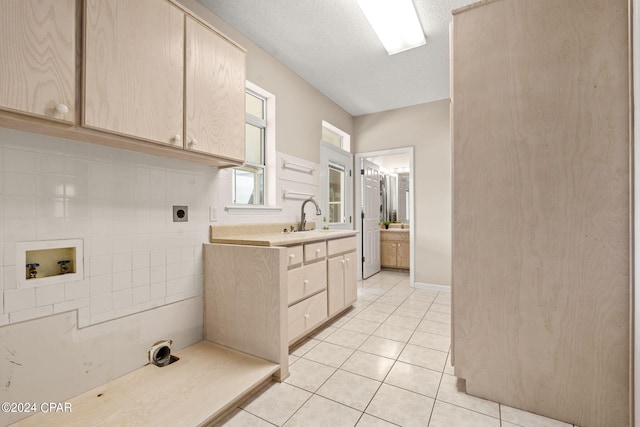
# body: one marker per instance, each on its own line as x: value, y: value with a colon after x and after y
x: 341, y: 282
x: 402, y: 254
x: 38, y: 57
x: 306, y: 315
x: 134, y: 69
x: 338, y: 246
x: 306, y: 280
x: 541, y: 207
x: 315, y: 251
x: 294, y: 255
x: 388, y: 252
x: 350, y: 278
x: 335, y: 284
x: 395, y: 254
x: 215, y: 93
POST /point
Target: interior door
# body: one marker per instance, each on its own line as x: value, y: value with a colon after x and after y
x: 370, y: 218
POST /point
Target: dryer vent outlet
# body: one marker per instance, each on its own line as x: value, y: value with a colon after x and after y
x: 160, y: 353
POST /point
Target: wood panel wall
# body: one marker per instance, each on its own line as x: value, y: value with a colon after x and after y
x: 541, y: 206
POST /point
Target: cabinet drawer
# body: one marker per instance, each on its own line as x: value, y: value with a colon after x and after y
x: 341, y: 245
x: 315, y: 251
x: 294, y: 255
x: 306, y: 280
x: 306, y: 315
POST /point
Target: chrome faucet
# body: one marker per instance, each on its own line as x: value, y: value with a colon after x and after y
x: 303, y: 221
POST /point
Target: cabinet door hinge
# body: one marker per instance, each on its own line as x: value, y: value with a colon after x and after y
x: 350, y: 219
x: 362, y: 215
x: 349, y: 172
x: 361, y: 171
x: 362, y: 259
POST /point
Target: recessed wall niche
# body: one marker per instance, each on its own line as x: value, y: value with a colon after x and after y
x: 48, y: 262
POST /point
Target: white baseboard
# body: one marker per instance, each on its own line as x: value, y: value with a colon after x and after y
x: 430, y: 286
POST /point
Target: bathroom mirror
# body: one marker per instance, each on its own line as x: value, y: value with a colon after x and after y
x: 394, y: 198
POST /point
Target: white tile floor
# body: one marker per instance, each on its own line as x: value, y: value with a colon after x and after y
x: 383, y: 363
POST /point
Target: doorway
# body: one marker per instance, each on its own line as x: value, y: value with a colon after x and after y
x: 398, y: 164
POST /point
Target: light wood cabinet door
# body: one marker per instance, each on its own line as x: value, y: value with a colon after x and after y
x: 215, y: 93
x: 388, y: 253
x: 38, y: 57
x: 335, y: 284
x: 402, y: 254
x: 134, y: 69
x: 306, y: 315
x: 350, y: 278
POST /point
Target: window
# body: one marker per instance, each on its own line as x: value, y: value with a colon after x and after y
x: 336, y: 137
x: 249, y: 179
x: 336, y: 194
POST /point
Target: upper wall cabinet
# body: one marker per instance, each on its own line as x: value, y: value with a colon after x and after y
x: 133, y: 69
x: 37, y: 58
x: 214, y: 99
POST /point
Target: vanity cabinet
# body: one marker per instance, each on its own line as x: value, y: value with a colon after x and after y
x: 134, y: 69
x: 341, y: 274
x: 306, y: 289
x: 215, y: 93
x: 394, y: 249
x: 264, y: 292
x: 37, y: 58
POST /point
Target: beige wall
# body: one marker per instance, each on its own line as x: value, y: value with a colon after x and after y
x: 300, y: 107
x: 426, y: 128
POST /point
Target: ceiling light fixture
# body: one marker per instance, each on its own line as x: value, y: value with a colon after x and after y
x: 395, y: 22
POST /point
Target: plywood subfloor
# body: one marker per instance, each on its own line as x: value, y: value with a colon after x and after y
x: 193, y: 391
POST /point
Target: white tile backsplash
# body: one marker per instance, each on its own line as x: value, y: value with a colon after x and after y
x: 120, y: 204
x: 19, y: 300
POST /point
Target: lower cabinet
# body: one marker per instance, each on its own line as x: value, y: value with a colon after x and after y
x: 322, y: 286
x: 394, y: 253
x: 307, y: 314
x: 341, y: 274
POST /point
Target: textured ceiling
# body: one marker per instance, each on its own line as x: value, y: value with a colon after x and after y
x: 330, y: 44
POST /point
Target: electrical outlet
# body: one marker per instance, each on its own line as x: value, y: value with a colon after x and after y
x: 180, y: 213
x: 213, y: 214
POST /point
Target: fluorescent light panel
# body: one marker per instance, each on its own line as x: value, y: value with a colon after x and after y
x: 395, y: 22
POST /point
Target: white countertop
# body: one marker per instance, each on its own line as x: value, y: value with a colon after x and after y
x: 283, y: 239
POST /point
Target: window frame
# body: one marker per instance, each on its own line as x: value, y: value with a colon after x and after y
x: 269, y: 157
x: 252, y: 167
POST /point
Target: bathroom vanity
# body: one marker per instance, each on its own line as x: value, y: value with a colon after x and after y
x: 395, y: 248
x: 264, y: 291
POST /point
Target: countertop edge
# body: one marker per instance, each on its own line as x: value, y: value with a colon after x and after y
x: 283, y: 239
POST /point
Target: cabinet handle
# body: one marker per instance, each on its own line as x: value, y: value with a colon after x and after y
x: 347, y: 259
x: 193, y: 142
x: 62, y: 109
x: 177, y: 138
x: 292, y: 256
x: 342, y: 261
x: 306, y: 317
x: 305, y: 282
x: 317, y: 251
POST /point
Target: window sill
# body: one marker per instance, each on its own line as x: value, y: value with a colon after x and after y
x: 252, y: 209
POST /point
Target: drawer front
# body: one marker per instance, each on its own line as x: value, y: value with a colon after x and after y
x: 306, y: 280
x: 306, y: 315
x: 294, y: 255
x: 315, y: 251
x: 338, y: 246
